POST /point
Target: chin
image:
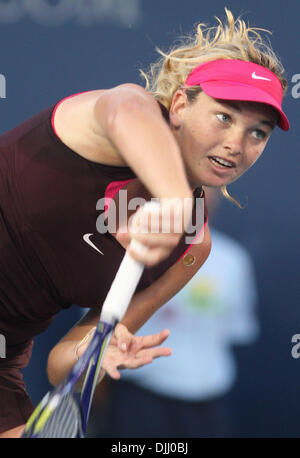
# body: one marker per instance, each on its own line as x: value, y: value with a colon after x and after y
x: 206, y: 178
x: 211, y: 183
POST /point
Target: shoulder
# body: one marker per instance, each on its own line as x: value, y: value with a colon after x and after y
x: 130, y: 88
x: 82, y: 109
x: 80, y: 120
x: 128, y: 95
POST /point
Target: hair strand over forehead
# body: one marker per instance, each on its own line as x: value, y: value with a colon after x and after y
x: 231, y: 39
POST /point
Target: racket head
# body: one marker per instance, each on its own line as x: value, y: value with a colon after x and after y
x: 62, y: 412
x: 59, y: 419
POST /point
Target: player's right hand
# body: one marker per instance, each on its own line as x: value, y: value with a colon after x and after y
x: 158, y: 228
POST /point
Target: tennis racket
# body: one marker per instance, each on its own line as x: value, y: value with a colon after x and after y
x: 63, y: 413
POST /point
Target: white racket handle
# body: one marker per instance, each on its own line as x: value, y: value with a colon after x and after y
x: 125, y: 281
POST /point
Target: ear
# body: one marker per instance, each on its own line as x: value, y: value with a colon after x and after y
x: 178, y: 106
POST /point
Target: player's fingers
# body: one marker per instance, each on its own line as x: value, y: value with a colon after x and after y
x: 153, y: 340
x: 151, y: 257
x: 146, y: 357
x: 154, y: 253
x: 123, y: 237
x: 168, y: 216
x: 113, y: 372
x: 134, y: 363
x: 154, y: 352
x: 123, y: 337
x: 152, y: 240
x: 147, y: 238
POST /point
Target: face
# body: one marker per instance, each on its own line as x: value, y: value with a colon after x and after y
x: 209, y: 130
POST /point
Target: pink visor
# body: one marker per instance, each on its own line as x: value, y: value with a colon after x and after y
x: 230, y: 79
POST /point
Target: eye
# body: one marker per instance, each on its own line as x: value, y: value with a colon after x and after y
x: 259, y: 134
x: 224, y: 117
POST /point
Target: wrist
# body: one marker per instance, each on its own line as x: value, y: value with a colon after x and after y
x: 80, y: 347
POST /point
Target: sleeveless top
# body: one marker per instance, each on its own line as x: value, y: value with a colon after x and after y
x: 48, y: 197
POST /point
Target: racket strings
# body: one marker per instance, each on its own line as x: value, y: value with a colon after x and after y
x: 60, y: 414
x: 64, y: 421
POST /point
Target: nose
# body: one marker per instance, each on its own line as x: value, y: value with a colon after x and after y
x: 234, y: 142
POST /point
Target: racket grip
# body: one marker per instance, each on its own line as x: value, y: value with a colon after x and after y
x: 125, y: 281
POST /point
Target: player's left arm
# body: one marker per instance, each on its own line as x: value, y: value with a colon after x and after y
x: 139, y: 350
x: 145, y: 303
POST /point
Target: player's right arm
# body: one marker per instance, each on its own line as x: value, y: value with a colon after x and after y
x: 124, y: 126
x: 131, y: 119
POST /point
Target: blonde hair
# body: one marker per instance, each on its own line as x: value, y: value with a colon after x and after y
x: 231, y: 40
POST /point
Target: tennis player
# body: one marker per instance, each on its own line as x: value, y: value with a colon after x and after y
x: 205, y: 117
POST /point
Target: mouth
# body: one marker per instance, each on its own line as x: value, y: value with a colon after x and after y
x: 221, y: 163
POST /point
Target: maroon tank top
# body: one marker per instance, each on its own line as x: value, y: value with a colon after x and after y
x: 48, y: 196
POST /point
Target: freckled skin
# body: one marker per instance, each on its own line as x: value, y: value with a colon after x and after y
x: 233, y: 130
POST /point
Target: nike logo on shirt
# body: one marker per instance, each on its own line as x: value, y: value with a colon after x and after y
x: 257, y: 77
x: 86, y: 238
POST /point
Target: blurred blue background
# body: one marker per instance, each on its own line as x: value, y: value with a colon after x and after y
x: 50, y: 49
